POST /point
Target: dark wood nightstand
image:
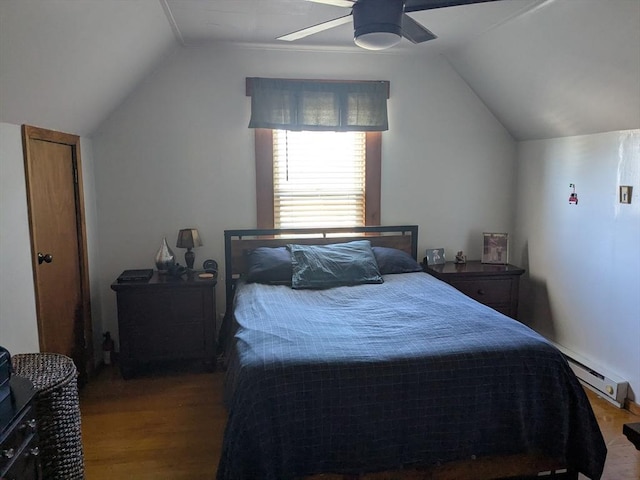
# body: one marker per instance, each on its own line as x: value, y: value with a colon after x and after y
x: 493, y: 285
x: 632, y: 432
x: 166, y: 319
x: 19, y: 451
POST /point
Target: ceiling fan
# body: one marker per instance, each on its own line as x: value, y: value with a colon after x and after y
x: 380, y: 24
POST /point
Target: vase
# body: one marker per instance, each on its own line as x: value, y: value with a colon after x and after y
x: 165, y: 259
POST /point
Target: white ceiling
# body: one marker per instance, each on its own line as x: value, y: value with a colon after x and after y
x: 262, y: 21
x: 546, y: 68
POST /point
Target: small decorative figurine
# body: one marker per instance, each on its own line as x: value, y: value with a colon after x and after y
x: 177, y: 270
x: 573, y: 198
x: 461, y: 257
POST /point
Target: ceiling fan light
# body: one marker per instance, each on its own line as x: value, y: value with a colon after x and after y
x: 377, y: 24
x: 377, y: 40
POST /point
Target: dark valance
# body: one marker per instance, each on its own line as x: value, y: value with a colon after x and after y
x: 318, y: 105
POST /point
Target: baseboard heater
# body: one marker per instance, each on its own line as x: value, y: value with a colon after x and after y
x: 605, y: 384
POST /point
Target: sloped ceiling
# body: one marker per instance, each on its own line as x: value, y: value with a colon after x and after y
x: 546, y: 68
x: 66, y: 64
x: 567, y: 67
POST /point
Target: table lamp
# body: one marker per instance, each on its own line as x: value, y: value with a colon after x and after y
x: 189, y: 238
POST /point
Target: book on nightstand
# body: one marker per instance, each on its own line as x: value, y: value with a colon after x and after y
x: 142, y: 275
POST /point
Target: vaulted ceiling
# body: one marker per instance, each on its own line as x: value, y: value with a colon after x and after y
x: 545, y: 68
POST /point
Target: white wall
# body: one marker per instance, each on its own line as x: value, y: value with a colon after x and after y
x: 582, y: 287
x: 178, y: 153
x: 18, y: 323
x: 91, y: 226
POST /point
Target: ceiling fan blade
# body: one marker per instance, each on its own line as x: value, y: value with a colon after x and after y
x: 419, y: 5
x: 320, y: 27
x: 336, y: 3
x: 414, y: 32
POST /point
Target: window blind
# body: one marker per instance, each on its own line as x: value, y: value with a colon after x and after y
x: 319, y: 179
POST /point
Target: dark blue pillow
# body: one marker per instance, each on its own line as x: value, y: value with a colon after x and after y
x: 392, y: 260
x: 271, y: 265
x: 326, y: 266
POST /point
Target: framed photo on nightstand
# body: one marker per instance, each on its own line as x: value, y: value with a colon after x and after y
x: 435, y: 256
x: 495, y: 248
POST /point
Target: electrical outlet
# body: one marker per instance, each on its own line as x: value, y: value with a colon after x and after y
x: 625, y: 193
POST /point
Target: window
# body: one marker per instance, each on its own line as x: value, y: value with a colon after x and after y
x: 299, y: 180
x: 317, y: 179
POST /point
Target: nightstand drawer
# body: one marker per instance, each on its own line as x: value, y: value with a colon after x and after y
x: 485, y: 291
x: 167, y: 342
x: 149, y: 308
x: 493, y: 285
x: 14, y: 443
x: 25, y: 463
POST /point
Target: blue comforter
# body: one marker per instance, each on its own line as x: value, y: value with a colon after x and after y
x: 380, y: 377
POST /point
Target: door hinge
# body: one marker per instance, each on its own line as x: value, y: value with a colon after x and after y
x: 75, y: 175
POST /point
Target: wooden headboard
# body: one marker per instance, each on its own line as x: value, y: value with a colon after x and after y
x: 238, y: 242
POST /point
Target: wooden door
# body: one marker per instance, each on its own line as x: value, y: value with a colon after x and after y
x: 58, y: 244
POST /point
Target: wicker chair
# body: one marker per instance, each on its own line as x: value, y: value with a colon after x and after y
x: 58, y: 412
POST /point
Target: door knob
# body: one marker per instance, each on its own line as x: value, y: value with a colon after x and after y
x: 46, y: 258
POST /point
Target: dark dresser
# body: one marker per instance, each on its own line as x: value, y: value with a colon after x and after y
x: 19, y: 451
x: 493, y: 285
x: 166, y: 319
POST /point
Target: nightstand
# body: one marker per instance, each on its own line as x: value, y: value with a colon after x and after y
x: 19, y: 451
x: 166, y: 319
x: 493, y: 285
x: 632, y: 432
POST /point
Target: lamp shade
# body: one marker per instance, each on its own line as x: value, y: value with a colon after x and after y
x: 188, y: 238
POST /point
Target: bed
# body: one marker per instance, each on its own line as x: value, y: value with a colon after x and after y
x: 399, y: 374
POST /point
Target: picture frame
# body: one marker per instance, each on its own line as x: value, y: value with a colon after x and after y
x: 495, y: 248
x: 435, y: 256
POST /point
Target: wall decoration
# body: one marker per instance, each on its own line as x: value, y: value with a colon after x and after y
x: 573, y: 198
x: 495, y: 248
x: 435, y: 256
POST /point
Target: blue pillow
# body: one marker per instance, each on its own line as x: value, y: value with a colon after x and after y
x: 326, y: 266
x: 392, y: 260
x: 271, y: 265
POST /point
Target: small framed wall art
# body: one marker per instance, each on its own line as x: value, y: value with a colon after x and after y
x: 435, y: 256
x: 495, y: 248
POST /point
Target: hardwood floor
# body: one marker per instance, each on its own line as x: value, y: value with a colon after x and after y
x: 623, y: 460
x: 170, y: 425
x: 156, y: 427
